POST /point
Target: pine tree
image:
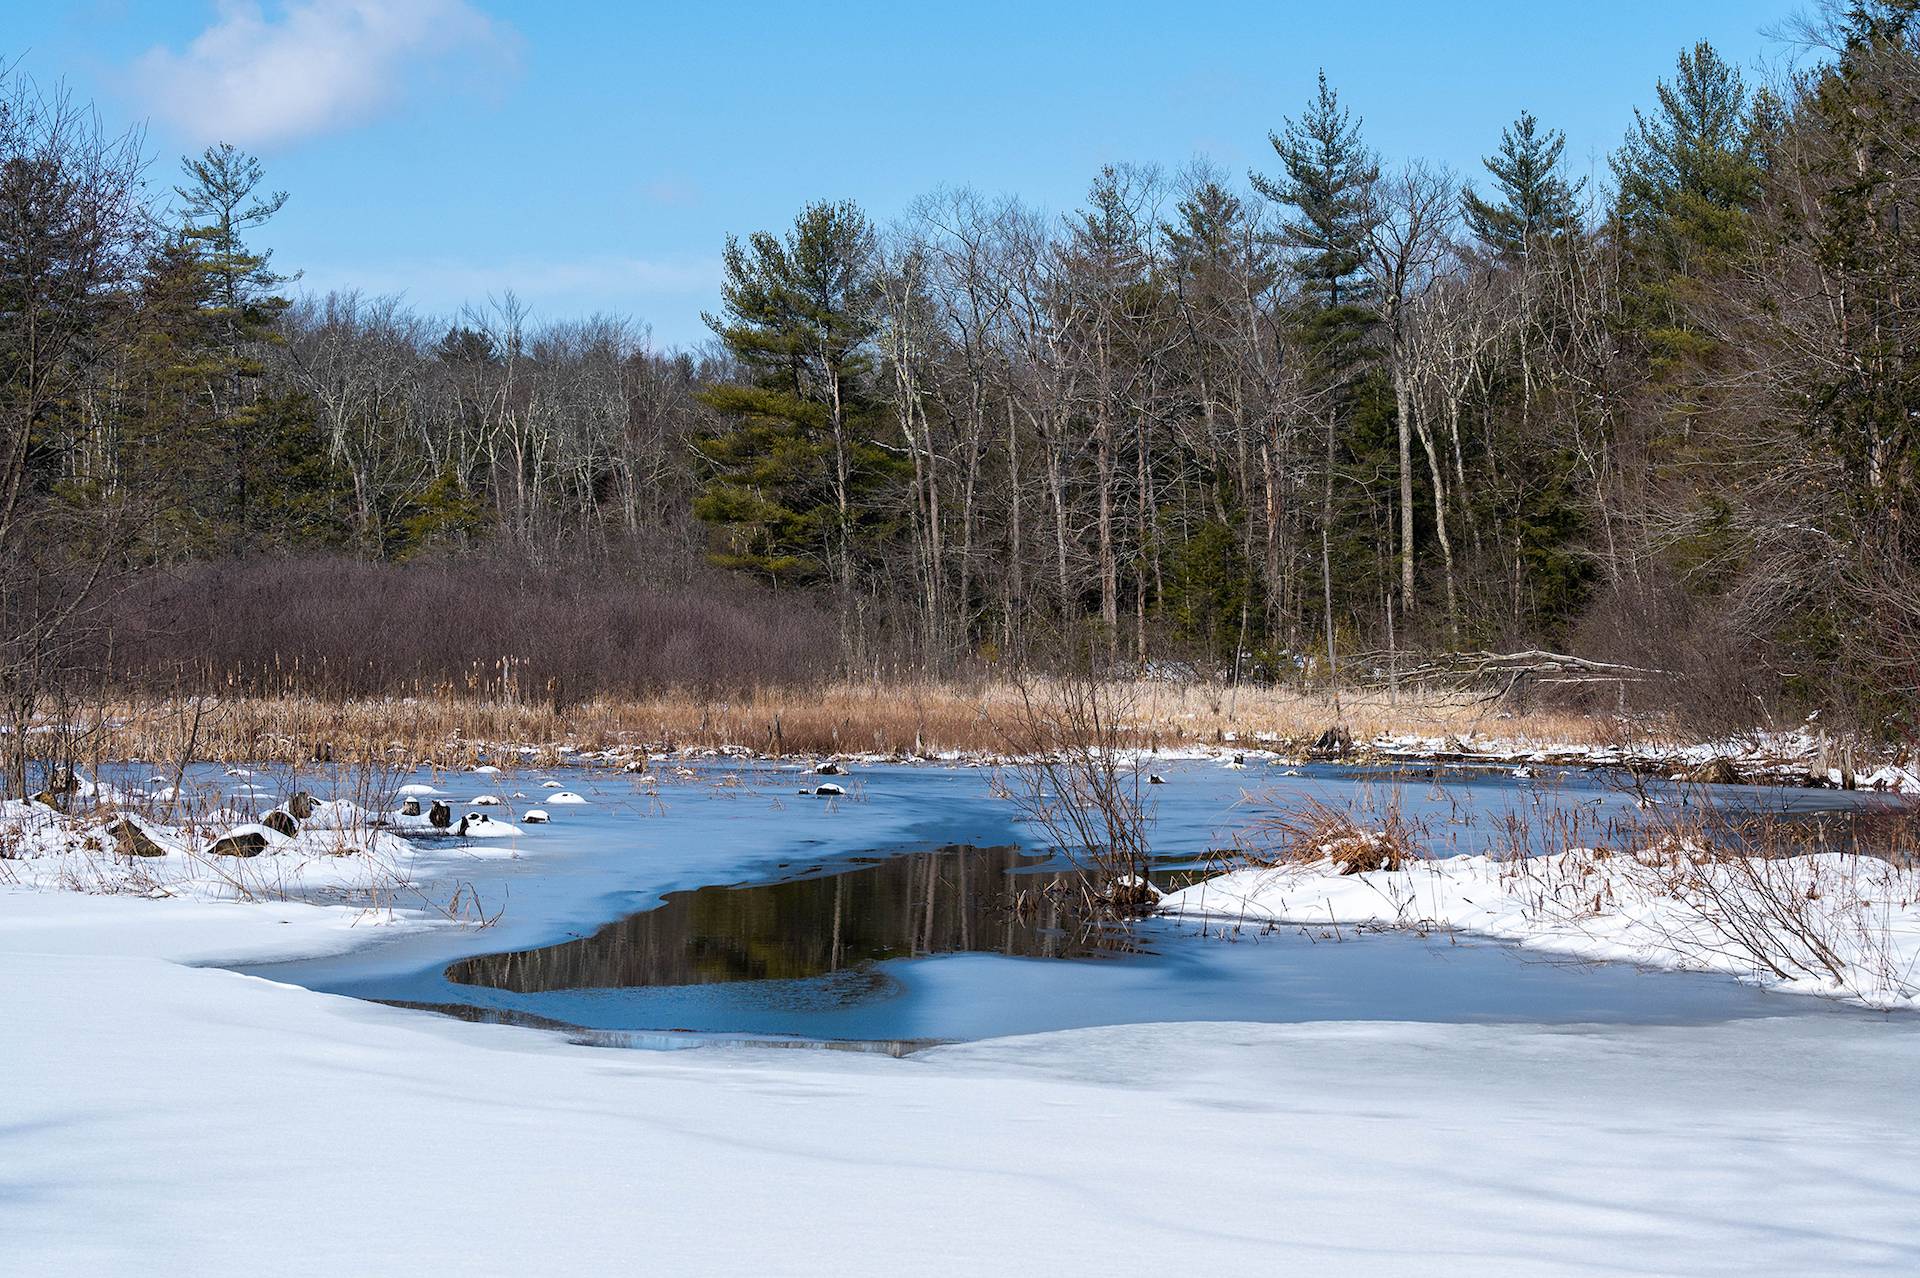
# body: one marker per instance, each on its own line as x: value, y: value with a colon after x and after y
x: 1533, y: 202
x: 1212, y: 591
x: 1327, y: 175
x: 794, y: 477
x: 1689, y: 172
x: 224, y: 312
x: 1215, y: 256
x: 219, y: 207
x: 1217, y: 264
x: 1852, y: 170
x: 1328, y: 181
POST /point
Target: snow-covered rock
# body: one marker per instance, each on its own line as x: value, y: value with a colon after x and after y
x: 337, y: 814
x: 248, y: 839
x: 479, y: 825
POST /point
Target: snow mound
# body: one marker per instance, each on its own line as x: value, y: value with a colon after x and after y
x: 337, y: 814
x: 126, y: 854
x: 416, y: 824
x: 1829, y: 923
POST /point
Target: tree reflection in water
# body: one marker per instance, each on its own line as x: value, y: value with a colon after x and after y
x: 949, y: 901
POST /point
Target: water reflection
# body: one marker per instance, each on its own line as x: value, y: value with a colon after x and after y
x: 953, y: 900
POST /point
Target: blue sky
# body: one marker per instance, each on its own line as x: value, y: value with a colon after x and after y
x: 591, y: 156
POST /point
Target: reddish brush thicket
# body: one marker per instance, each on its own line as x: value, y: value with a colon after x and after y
x: 342, y: 627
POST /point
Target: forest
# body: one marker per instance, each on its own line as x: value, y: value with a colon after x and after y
x: 1341, y: 418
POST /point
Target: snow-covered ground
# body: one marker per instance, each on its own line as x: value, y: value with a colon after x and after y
x: 161, y: 1116
x: 338, y: 854
x: 1798, y: 757
x: 1829, y: 924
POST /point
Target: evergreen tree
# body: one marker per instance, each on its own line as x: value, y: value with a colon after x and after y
x: 1533, y: 200
x: 794, y: 477
x: 1327, y: 177
x: 1853, y: 169
x: 219, y: 205
x: 465, y: 346
x: 1216, y: 259
x: 1689, y: 172
x: 1212, y: 594
x: 1207, y: 234
x: 217, y: 310
x: 1223, y: 272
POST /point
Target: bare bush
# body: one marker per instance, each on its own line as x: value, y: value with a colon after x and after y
x: 1073, y: 773
x: 496, y: 627
x: 1789, y: 897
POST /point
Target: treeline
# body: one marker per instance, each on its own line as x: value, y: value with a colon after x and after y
x: 1306, y: 426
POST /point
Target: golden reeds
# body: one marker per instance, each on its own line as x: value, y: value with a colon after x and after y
x: 839, y: 718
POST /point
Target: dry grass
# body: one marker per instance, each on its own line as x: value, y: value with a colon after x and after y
x: 1311, y: 831
x: 892, y: 719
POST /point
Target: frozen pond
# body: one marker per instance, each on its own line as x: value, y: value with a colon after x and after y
x: 727, y: 904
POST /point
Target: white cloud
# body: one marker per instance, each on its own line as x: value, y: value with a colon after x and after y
x: 312, y: 66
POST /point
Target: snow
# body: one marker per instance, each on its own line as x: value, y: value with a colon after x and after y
x: 1794, y: 757
x: 1892, y: 779
x: 171, y: 1120
x: 166, y: 1117
x: 1843, y: 926
x: 337, y: 814
x: 332, y: 857
x: 273, y: 837
x: 478, y: 825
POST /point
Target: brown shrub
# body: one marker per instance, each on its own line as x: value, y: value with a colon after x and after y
x: 482, y: 627
x: 1316, y: 831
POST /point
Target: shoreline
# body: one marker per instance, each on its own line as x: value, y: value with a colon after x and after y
x: 947, y: 724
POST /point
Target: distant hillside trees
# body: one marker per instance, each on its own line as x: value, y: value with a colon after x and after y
x: 1349, y: 410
